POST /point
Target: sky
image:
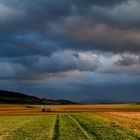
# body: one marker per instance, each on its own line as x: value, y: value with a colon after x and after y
x: 72, y: 49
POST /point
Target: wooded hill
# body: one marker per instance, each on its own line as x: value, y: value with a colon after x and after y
x: 9, y: 97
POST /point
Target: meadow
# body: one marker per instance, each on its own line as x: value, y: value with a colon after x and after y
x: 107, y: 125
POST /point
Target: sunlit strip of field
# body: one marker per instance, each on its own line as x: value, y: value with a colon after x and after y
x: 100, y: 128
x: 94, y: 108
x: 70, y: 126
x: 128, y: 106
x: 37, y: 109
x: 127, y: 119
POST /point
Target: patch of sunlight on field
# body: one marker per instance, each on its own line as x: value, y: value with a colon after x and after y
x: 70, y: 126
x: 127, y: 106
x: 128, y: 120
x: 92, y: 107
x: 27, y: 127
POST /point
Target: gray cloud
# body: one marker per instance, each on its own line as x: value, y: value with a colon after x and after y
x: 40, y: 67
x: 44, y: 42
x: 88, y: 35
x: 69, y: 24
x: 88, y: 86
x: 128, y: 60
x: 10, y: 70
x: 126, y: 63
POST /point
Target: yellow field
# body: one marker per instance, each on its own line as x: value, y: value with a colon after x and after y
x: 37, y: 110
x: 70, y: 122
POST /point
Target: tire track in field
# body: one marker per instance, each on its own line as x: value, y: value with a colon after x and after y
x: 77, y: 123
x: 56, y: 131
x: 101, y: 129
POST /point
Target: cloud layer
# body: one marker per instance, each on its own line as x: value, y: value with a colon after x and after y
x: 41, y: 40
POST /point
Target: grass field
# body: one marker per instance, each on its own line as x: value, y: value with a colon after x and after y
x: 107, y: 125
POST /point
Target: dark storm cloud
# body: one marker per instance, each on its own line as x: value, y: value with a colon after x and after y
x: 49, y: 45
x: 87, y: 35
x: 33, y: 15
x: 26, y: 45
x: 89, y: 86
x: 82, y: 25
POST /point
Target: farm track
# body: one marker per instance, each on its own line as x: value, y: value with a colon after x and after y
x: 77, y: 123
x: 100, y: 129
x: 56, y: 129
x: 69, y: 130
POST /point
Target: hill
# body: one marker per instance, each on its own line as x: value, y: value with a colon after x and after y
x: 9, y: 97
x: 108, y: 102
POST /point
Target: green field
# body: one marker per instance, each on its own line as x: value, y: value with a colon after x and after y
x: 75, y: 126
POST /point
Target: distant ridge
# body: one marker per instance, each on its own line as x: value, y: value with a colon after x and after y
x: 10, y: 97
x: 108, y: 102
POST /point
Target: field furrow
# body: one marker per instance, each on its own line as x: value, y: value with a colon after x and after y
x: 69, y: 130
x: 100, y: 129
x: 131, y: 124
x: 84, y: 132
x: 56, y: 129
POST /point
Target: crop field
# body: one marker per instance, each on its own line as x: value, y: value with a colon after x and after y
x: 37, y: 109
x: 95, y: 108
x: 71, y: 122
x: 71, y: 126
